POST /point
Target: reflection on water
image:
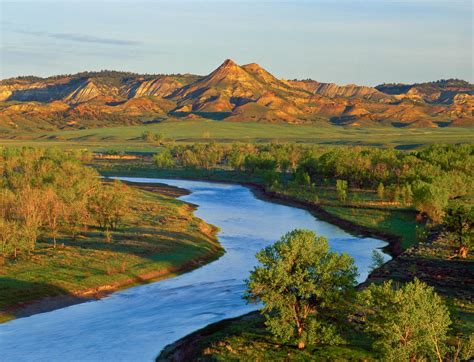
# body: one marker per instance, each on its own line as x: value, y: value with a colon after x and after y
x: 135, y: 324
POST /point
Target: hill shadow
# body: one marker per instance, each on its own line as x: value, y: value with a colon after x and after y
x: 215, y: 116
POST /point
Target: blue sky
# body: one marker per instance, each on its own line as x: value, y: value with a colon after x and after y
x: 346, y: 41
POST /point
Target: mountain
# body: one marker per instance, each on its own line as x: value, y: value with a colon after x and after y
x: 231, y: 92
x: 241, y: 93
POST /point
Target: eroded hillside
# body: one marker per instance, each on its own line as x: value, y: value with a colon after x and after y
x: 231, y: 92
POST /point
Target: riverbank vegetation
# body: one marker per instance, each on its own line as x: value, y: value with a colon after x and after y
x: 66, y: 232
x: 305, y: 318
x: 381, y: 189
x: 426, y: 180
x: 411, y: 195
x: 425, y: 197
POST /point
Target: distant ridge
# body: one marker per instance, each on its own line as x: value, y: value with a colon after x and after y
x: 231, y: 92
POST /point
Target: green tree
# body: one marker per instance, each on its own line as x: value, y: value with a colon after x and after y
x: 430, y: 199
x: 53, y: 213
x: 459, y: 221
x: 109, y: 205
x: 164, y: 159
x: 271, y: 178
x: 302, y: 178
x: 381, y: 191
x: 341, y: 189
x: 408, y: 322
x: 151, y: 137
x: 377, y: 260
x: 407, y: 194
x: 303, y: 287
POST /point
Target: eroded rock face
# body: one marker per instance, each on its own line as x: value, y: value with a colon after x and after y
x: 462, y: 107
x: 232, y: 92
x: 158, y: 87
x: 333, y: 90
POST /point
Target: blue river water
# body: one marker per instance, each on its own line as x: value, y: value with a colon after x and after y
x: 137, y: 323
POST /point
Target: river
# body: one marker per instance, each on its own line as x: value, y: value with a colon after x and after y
x: 137, y: 323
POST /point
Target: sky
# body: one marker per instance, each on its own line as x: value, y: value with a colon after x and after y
x: 364, y: 42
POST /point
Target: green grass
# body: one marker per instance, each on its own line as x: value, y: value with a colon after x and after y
x: 159, y: 238
x: 128, y: 138
x: 397, y: 222
x: 246, y: 339
x: 363, y: 208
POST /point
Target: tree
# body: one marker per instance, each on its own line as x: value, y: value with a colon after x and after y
x: 408, y: 322
x: 430, y: 199
x: 31, y: 213
x: 152, y: 137
x: 302, y: 178
x: 109, y: 205
x: 377, y: 260
x: 407, y: 194
x: 381, y: 191
x: 459, y: 221
x: 271, y: 178
x: 341, y: 188
x: 53, y: 213
x: 164, y: 159
x: 13, y: 238
x: 303, y: 287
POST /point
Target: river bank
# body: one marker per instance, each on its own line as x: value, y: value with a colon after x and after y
x: 135, y: 323
x: 96, y: 269
x: 393, y: 248
x: 246, y: 337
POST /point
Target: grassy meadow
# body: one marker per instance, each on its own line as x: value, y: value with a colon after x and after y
x: 128, y: 139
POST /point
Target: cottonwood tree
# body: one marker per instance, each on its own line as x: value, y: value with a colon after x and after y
x: 164, y: 159
x: 409, y: 322
x: 430, y: 199
x: 303, y: 287
x: 341, y: 189
x: 109, y: 205
x: 377, y: 260
x: 53, y: 213
x: 30, y: 211
x: 13, y: 238
x: 381, y: 191
x: 459, y: 221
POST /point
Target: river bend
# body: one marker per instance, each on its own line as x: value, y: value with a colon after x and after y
x: 136, y: 323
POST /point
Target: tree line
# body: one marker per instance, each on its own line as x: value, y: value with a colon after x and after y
x: 426, y: 179
x: 433, y: 180
x: 45, y: 193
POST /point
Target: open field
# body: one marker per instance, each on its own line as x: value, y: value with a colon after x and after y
x: 159, y: 238
x: 129, y: 138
